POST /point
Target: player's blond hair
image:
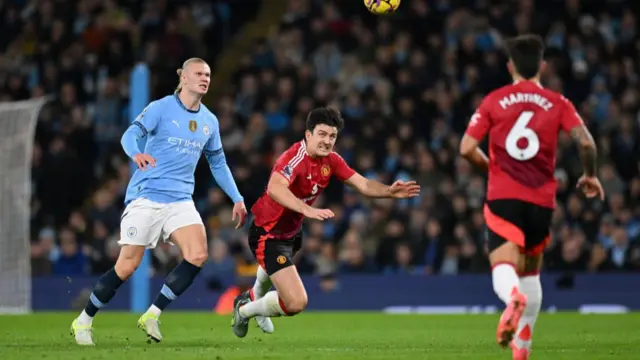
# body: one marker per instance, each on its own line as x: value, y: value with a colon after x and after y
x: 185, y: 64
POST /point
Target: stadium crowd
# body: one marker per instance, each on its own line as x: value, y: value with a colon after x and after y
x: 406, y: 84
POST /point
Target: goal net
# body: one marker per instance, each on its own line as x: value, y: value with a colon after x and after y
x: 17, y: 128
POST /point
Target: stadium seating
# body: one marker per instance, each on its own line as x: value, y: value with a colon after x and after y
x: 406, y: 84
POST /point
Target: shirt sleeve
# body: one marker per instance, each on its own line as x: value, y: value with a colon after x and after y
x: 218, y: 164
x: 149, y: 117
x: 570, y: 117
x: 480, y: 121
x: 288, y: 164
x: 130, y: 139
x: 214, y: 144
x: 341, y: 169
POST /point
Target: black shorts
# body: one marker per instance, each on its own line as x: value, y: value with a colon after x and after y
x: 522, y: 223
x: 273, y: 254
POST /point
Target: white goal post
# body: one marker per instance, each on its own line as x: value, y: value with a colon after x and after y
x: 17, y: 129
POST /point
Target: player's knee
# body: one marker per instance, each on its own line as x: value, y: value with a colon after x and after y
x: 197, y: 257
x: 297, y: 304
x: 125, y: 268
x: 128, y: 260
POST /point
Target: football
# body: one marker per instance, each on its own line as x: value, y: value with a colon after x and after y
x: 382, y: 7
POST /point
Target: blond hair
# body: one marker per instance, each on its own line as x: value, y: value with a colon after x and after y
x: 183, y: 68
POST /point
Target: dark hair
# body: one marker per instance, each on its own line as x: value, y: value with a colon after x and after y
x: 526, y: 52
x: 326, y: 116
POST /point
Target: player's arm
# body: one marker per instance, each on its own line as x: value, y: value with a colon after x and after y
x: 470, y: 150
x: 587, y: 148
x: 476, y: 131
x: 219, y: 168
x: 143, y: 124
x: 367, y: 187
x: 372, y: 188
x: 572, y: 123
x: 284, y: 173
x: 364, y: 186
x: 278, y: 190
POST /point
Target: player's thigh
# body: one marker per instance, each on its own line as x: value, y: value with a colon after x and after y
x: 141, y: 223
x: 275, y: 256
x: 505, y: 237
x: 185, y: 229
x: 290, y: 288
x: 538, y: 236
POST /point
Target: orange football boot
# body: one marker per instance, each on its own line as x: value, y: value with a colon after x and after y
x: 510, y: 318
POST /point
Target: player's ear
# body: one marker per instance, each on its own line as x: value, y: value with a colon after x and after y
x: 510, y: 67
x: 307, y: 134
x: 543, y: 67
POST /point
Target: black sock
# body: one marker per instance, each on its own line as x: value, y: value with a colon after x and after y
x: 103, y: 292
x: 176, y: 283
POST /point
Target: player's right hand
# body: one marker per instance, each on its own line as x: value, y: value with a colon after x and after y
x: 590, y: 186
x: 318, y: 214
x: 142, y: 160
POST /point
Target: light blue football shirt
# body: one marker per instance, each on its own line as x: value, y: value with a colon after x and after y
x: 176, y: 137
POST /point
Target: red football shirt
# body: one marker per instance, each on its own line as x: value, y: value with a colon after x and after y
x: 523, y: 121
x: 308, y: 177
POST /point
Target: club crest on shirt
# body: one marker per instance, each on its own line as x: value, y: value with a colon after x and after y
x: 139, y: 117
x: 325, y: 171
x: 205, y: 129
x: 193, y: 125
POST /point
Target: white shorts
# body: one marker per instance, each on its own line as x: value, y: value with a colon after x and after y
x: 144, y: 222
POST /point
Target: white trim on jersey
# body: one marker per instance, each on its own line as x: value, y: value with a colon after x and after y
x: 298, y: 158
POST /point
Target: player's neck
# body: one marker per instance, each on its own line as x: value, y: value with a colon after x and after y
x: 518, y: 79
x: 189, y: 100
x: 306, y: 150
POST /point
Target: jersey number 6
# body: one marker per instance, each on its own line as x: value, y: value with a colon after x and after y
x: 521, y: 131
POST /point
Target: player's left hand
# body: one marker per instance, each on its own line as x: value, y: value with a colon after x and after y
x: 403, y: 190
x: 240, y: 213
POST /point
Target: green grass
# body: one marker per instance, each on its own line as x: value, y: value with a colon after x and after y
x: 325, y: 336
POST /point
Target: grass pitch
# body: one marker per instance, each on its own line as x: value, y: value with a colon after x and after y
x: 339, y: 336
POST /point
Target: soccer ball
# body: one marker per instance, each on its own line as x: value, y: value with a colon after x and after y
x: 382, y: 7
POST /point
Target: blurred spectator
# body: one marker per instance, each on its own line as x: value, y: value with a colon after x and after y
x: 406, y: 84
x: 219, y: 270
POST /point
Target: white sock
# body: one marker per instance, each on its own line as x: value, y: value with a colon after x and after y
x: 154, y: 310
x: 530, y: 286
x: 505, y: 279
x: 84, y: 318
x: 269, y: 305
x: 262, y: 284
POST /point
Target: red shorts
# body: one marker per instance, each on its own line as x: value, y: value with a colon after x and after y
x: 522, y: 223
